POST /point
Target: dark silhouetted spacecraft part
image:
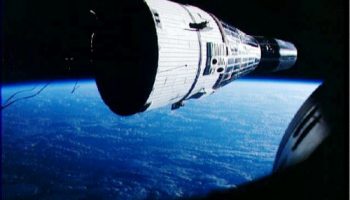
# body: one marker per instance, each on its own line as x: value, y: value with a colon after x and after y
x: 304, y: 134
x: 311, y: 159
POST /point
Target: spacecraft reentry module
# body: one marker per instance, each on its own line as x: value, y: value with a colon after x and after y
x: 168, y: 53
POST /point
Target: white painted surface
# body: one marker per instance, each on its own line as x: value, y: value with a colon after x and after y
x: 180, y: 50
x: 178, y: 54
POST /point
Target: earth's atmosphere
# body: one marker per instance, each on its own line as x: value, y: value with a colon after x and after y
x: 64, y: 145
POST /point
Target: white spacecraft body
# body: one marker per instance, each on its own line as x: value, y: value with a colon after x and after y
x: 194, y: 61
x: 197, y: 54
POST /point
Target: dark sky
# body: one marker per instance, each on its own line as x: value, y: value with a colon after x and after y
x: 39, y: 34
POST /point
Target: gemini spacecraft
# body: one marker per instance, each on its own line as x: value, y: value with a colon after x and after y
x: 166, y: 53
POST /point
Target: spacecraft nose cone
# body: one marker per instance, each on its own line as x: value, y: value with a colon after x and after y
x: 276, y: 55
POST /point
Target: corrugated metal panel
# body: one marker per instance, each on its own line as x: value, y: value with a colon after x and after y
x: 178, y: 53
x: 211, y: 35
x: 183, y: 52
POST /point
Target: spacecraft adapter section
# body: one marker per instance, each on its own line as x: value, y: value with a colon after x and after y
x: 276, y: 55
x: 125, y: 53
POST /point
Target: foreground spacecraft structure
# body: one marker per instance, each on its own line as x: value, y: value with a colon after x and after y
x: 168, y: 53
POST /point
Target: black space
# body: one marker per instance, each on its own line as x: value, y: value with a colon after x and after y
x: 39, y: 35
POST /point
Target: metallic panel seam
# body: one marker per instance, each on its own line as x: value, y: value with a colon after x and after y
x: 200, y: 57
x: 223, y: 35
